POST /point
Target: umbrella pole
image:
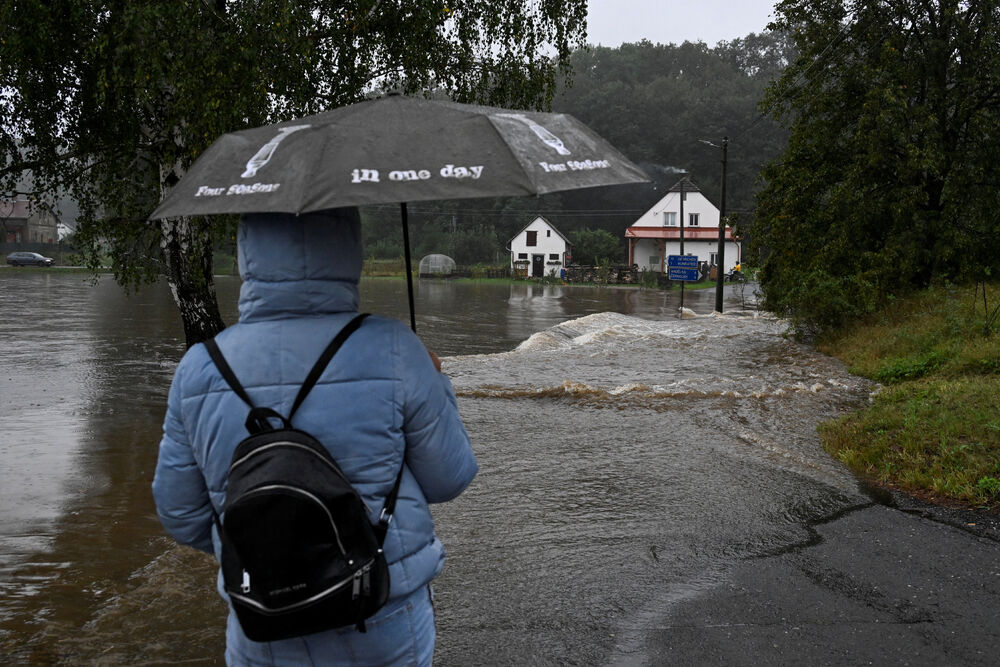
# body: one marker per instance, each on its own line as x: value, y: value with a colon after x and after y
x: 409, y: 266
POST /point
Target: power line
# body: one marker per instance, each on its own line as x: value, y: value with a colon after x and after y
x: 502, y: 214
x: 798, y: 79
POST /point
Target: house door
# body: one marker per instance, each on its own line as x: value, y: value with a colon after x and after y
x: 538, y: 266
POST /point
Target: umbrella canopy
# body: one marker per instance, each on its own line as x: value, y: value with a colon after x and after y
x: 395, y: 149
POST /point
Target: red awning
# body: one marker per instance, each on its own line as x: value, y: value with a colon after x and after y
x: 674, y: 233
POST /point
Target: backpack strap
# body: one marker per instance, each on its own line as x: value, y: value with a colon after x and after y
x: 227, y: 372
x: 257, y: 420
x: 324, y: 359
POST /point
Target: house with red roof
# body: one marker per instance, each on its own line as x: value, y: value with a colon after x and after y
x: 658, y: 232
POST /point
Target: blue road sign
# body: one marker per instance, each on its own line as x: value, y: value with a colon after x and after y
x: 683, y: 268
x: 682, y: 261
x: 684, y: 275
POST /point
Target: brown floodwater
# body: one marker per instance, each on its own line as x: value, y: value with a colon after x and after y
x: 627, y: 456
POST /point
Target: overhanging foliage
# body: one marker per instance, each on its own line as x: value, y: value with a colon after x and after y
x: 890, y: 177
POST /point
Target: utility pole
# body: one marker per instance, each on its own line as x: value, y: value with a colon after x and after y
x: 682, y: 235
x: 720, y: 275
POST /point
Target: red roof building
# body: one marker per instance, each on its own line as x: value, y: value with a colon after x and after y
x: 657, y: 233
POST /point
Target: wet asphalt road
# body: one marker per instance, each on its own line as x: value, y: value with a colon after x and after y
x: 904, y: 584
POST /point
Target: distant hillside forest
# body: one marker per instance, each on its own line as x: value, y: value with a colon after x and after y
x: 657, y: 104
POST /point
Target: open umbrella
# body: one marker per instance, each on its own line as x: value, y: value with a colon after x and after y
x: 395, y: 149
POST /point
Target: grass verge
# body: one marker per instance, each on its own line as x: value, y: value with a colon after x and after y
x: 934, y: 429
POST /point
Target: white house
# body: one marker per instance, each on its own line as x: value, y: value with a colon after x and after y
x: 540, y: 249
x: 657, y: 233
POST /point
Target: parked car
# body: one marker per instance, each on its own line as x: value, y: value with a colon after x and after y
x: 28, y: 259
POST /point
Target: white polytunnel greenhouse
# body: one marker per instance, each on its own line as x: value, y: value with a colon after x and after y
x: 436, y: 265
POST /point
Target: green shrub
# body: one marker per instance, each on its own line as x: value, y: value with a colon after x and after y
x: 909, y: 369
x: 989, y: 485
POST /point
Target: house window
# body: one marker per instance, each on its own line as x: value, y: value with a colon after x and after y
x: 670, y: 219
x: 693, y: 220
x: 554, y: 256
x: 532, y: 239
x: 713, y: 258
x: 548, y: 233
x: 522, y: 255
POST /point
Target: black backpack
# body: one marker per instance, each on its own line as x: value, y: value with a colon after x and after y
x: 299, y: 551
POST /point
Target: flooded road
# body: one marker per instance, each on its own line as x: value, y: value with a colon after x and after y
x: 626, y: 457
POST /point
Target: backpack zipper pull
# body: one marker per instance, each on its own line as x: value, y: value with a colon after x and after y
x: 356, y: 591
x: 246, y: 582
x: 366, y: 580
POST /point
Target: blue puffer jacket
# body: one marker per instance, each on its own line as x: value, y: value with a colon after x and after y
x: 379, y: 400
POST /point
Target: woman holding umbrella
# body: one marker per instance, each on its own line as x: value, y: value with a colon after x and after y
x: 381, y: 403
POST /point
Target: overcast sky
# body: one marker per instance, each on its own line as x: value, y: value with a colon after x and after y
x: 613, y: 22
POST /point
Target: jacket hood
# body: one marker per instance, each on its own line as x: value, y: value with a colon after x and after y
x: 294, y: 265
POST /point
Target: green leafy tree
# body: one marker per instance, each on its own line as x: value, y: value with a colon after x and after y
x: 655, y: 102
x: 889, y: 179
x: 594, y: 246
x: 113, y: 100
x: 474, y: 244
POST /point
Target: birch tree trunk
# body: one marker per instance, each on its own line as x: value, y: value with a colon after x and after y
x: 187, y: 253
